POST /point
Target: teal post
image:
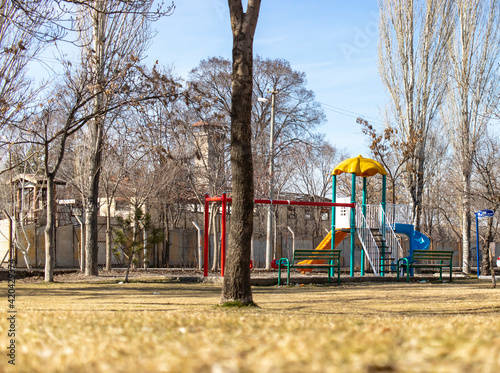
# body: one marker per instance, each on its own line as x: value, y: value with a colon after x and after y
x: 334, y: 199
x: 384, y: 184
x: 353, y: 223
x: 364, y: 213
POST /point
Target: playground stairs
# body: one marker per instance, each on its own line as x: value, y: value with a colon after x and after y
x: 386, y: 255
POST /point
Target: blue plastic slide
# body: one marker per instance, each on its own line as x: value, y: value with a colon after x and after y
x: 418, y: 241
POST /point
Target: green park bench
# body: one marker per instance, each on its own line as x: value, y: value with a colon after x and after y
x: 433, y: 259
x: 321, y: 259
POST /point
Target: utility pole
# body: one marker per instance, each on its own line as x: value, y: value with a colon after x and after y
x: 269, y: 238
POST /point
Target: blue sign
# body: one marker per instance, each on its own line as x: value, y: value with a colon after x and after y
x: 485, y: 213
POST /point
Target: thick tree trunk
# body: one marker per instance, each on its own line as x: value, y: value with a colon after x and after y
x: 91, y: 238
x: 50, y: 242
x: 236, y: 285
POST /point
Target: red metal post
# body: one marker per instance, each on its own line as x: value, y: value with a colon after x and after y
x: 223, y: 236
x: 205, y: 240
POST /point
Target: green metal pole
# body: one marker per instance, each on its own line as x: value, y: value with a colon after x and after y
x: 334, y: 199
x: 353, y: 224
x: 364, y: 213
x: 384, y: 184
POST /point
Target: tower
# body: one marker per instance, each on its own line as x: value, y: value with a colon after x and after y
x: 210, y: 158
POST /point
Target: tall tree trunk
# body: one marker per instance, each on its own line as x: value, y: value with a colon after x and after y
x: 145, y: 228
x: 236, y: 285
x: 135, y: 236
x: 50, y: 242
x: 109, y: 236
x: 165, y: 245
x: 91, y: 237
x: 466, y: 161
x: 419, y: 191
x: 92, y: 203
x: 466, y: 222
x: 50, y: 176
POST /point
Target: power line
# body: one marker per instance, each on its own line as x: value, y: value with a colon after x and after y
x: 345, y: 112
x: 349, y: 113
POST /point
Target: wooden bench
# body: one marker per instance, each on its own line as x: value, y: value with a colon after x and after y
x: 444, y: 257
x: 323, y: 259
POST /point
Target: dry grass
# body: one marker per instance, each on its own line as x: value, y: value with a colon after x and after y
x: 171, y: 327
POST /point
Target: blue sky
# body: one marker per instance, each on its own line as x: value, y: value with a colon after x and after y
x: 334, y: 42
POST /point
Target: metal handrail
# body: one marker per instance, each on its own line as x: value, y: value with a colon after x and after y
x: 373, y: 216
x: 367, y: 241
x: 391, y: 239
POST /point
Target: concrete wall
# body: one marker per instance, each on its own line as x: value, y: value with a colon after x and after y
x: 4, y: 239
x: 182, y: 250
x: 67, y: 248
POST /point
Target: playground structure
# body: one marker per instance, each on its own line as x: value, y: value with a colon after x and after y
x: 375, y: 226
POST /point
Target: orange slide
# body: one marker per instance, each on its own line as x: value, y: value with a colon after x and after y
x: 326, y: 244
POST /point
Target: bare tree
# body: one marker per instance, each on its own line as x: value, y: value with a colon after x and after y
x: 60, y: 117
x: 236, y: 287
x: 387, y: 149
x: 474, y: 61
x: 413, y: 65
x: 26, y: 28
x: 436, y: 183
x: 117, y: 160
x: 310, y: 166
x: 297, y: 113
x: 114, y: 35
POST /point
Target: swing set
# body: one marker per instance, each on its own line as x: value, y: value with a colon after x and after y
x: 224, y: 200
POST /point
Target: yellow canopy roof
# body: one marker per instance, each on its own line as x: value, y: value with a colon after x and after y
x: 359, y: 166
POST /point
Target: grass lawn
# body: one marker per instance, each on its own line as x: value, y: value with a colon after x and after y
x: 173, y: 327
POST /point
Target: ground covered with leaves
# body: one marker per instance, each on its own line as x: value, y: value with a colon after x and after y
x: 159, y: 326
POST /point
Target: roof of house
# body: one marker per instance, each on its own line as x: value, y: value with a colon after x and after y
x: 35, y: 179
